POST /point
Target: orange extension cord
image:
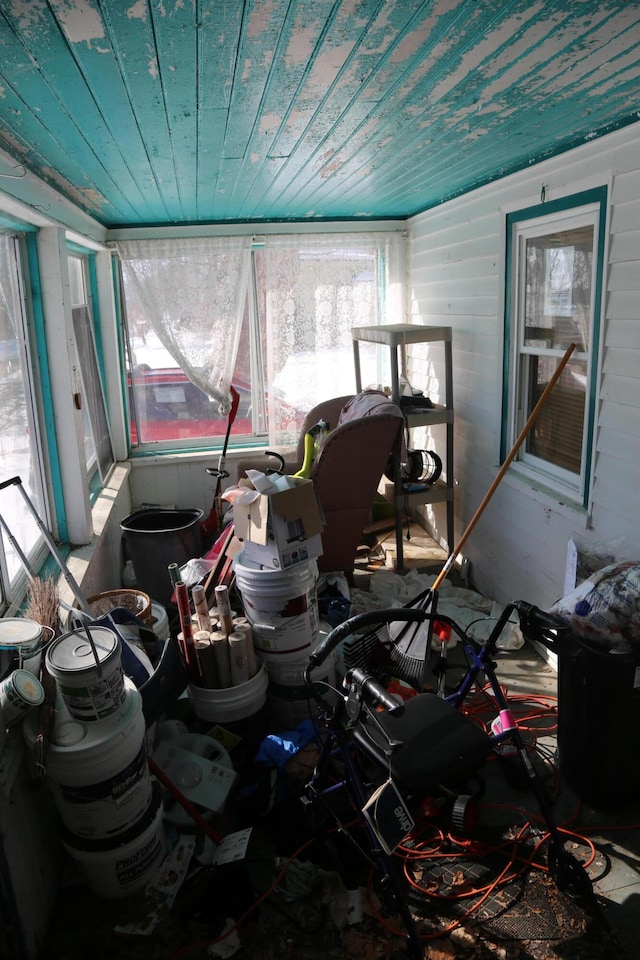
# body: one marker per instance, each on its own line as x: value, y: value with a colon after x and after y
x: 534, y: 715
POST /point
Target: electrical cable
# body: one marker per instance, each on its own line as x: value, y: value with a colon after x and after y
x: 201, y: 944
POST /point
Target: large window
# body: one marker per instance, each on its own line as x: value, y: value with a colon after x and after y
x: 19, y: 437
x: 553, y: 300
x: 85, y: 368
x: 271, y: 315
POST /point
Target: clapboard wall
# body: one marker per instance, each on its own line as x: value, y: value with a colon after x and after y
x: 456, y: 278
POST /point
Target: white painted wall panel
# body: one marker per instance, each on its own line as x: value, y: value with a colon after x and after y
x: 456, y: 277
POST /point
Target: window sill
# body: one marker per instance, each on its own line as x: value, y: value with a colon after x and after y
x: 86, y: 564
x: 549, y: 497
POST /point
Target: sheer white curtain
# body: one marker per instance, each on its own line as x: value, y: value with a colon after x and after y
x: 317, y: 288
x: 193, y: 292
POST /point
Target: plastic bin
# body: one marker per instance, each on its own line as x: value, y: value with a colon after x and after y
x: 155, y: 538
x: 599, y: 723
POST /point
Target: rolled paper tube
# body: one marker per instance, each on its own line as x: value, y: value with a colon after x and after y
x: 224, y: 609
x: 238, y: 659
x: 174, y: 573
x: 206, y: 659
x: 184, y: 612
x: 202, y: 608
x: 220, y: 646
x: 251, y: 653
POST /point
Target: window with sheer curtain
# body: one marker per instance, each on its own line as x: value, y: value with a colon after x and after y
x: 271, y: 315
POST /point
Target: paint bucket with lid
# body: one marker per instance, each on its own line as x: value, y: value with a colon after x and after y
x: 21, y: 642
x: 88, y: 673
x: 98, y: 770
x: 120, y: 866
x: 281, y: 606
x: 20, y: 692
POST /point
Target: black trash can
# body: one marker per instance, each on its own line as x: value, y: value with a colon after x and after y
x: 155, y: 538
x: 599, y: 722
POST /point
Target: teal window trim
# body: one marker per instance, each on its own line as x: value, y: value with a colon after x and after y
x: 117, y: 300
x: 599, y: 196
x: 16, y: 226
x: 45, y: 386
x: 97, y: 319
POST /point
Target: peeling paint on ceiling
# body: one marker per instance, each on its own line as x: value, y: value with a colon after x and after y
x: 176, y: 112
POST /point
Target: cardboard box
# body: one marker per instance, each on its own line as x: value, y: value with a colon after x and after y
x: 281, y: 529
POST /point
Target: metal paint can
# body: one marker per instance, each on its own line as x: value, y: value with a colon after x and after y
x: 19, y: 693
x: 91, y: 680
x: 21, y: 642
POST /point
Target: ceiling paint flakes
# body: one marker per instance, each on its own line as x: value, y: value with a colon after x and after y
x: 169, y: 111
x: 80, y: 22
x: 138, y: 11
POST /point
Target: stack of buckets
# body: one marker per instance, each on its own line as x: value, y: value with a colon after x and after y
x: 282, y: 608
x: 96, y: 763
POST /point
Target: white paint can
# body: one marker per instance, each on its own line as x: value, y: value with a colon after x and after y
x: 20, y: 692
x: 120, y: 866
x: 98, y: 771
x: 289, y: 703
x: 90, y: 679
x: 281, y: 606
x: 21, y: 642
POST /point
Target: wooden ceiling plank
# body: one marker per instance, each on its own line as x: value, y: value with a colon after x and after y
x: 55, y: 129
x: 131, y: 31
x: 219, y: 30
x: 446, y: 165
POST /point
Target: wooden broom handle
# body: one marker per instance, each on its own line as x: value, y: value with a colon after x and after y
x: 503, y: 469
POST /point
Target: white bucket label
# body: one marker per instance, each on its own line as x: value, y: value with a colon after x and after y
x: 110, y: 806
x: 96, y: 701
x: 290, y: 629
x: 130, y: 869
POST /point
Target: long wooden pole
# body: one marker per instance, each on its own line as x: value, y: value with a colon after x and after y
x: 503, y: 469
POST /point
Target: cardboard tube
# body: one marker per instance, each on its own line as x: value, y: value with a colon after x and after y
x: 205, y: 658
x: 503, y: 469
x: 224, y: 609
x: 240, y: 627
x: 201, y: 608
x: 238, y: 659
x: 220, y: 646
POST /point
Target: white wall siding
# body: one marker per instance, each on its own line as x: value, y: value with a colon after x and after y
x: 456, y: 277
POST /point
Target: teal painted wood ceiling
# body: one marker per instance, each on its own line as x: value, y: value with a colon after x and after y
x: 149, y: 112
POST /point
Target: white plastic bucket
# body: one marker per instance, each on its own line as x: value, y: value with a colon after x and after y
x: 92, y: 688
x: 230, y: 704
x: 125, y: 864
x: 160, y: 623
x: 281, y: 606
x: 289, y: 701
x: 98, y: 771
x: 21, y: 643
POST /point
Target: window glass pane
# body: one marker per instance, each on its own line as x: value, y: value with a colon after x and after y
x: 559, y: 268
x: 557, y: 434
x: 18, y: 441
x: 165, y: 405
x: 294, y: 345
x: 97, y: 440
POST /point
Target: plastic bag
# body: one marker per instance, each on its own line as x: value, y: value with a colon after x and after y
x: 606, y: 607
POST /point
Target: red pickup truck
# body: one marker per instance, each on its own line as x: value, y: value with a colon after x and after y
x: 170, y: 407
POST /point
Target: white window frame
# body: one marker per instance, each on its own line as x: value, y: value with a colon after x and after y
x: 586, y: 209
